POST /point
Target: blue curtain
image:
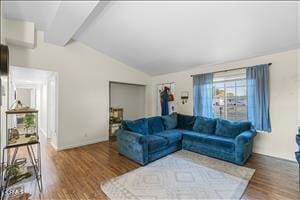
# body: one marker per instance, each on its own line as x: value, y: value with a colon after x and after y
x: 203, y: 96
x: 258, y: 97
x: 164, y: 103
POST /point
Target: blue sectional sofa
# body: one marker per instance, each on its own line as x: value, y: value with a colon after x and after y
x: 145, y: 140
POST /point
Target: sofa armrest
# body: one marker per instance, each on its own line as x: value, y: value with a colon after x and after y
x: 133, y: 145
x: 130, y: 136
x: 243, y: 146
x: 245, y: 137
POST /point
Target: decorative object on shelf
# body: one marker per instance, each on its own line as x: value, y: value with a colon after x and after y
x: 115, y: 119
x: 21, y: 131
x: 21, y: 163
x: 16, y: 173
x: 184, y: 97
x: 18, y: 106
x: 29, y: 122
x: 116, y: 115
x: 21, y: 126
x: 13, y: 134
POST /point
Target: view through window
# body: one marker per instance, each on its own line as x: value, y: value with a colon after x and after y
x: 230, y: 95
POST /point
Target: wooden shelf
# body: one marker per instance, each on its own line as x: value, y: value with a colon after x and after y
x: 21, y: 111
x: 21, y: 144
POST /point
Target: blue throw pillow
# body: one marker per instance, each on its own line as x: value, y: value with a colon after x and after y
x: 205, y: 125
x: 185, y: 122
x: 137, y: 126
x: 170, y: 121
x: 231, y: 129
x: 155, y: 125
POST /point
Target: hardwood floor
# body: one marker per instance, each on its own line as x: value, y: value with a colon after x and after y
x: 77, y: 173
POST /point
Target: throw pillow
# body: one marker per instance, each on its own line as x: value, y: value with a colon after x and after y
x: 231, y: 129
x: 155, y: 125
x: 170, y: 121
x: 185, y: 122
x: 137, y: 126
x: 205, y: 125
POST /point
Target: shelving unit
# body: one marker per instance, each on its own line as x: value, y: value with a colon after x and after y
x: 115, y: 119
x: 21, y: 131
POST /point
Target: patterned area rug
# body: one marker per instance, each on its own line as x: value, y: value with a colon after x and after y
x: 181, y: 175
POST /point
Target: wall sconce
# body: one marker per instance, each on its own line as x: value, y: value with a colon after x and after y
x: 184, y: 97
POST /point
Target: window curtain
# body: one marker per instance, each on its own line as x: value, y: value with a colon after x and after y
x: 258, y: 97
x: 203, y: 97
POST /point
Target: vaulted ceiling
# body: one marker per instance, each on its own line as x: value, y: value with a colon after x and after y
x: 160, y: 37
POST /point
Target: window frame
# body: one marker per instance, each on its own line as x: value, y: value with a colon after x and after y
x: 225, y: 115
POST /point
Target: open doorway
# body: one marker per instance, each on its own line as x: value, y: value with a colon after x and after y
x: 127, y: 102
x: 37, y: 89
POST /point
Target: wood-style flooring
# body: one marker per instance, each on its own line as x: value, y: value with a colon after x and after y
x: 77, y: 173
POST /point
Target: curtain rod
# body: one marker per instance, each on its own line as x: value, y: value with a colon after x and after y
x: 228, y: 70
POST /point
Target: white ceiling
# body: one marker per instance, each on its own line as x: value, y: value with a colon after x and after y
x: 40, y: 12
x: 159, y: 37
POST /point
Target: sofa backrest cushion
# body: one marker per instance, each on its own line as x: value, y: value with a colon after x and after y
x: 185, y: 122
x: 170, y: 121
x: 205, y: 125
x: 155, y: 125
x: 137, y: 126
x: 231, y: 129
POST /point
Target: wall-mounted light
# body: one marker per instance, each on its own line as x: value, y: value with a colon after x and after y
x: 184, y: 97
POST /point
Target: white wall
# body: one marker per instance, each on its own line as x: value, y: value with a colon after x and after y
x: 284, y: 100
x: 298, y: 61
x: 1, y: 23
x: 19, y: 33
x: 43, y: 112
x: 51, y: 107
x: 83, y: 87
x: 129, y: 97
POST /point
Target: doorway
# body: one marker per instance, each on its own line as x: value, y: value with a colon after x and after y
x: 126, y: 102
x: 37, y: 89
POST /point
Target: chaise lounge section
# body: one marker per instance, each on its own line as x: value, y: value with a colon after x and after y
x: 145, y: 140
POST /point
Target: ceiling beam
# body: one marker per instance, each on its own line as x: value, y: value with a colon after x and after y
x: 69, y: 18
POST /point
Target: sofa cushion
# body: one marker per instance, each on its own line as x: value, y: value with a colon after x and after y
x: 221, y: 143
x: 205, y: 125
x: 209, y: 141
x: 137, y: 126
x: 185, y: 122
x: 171, y: 135
x: 155, y: 125
x: 194, y: 136
x: 170, y: 121
x: 231, y: 129
x: 155, y: 142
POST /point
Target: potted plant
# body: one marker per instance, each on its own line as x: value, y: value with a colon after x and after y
x: 14, y: 174
x: 29, y: 122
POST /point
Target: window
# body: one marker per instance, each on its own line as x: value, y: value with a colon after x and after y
x: 230, y: 95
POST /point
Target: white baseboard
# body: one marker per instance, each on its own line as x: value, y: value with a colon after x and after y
x: 83, y: 143
x: 259, y: 151
x: 54, y: 145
